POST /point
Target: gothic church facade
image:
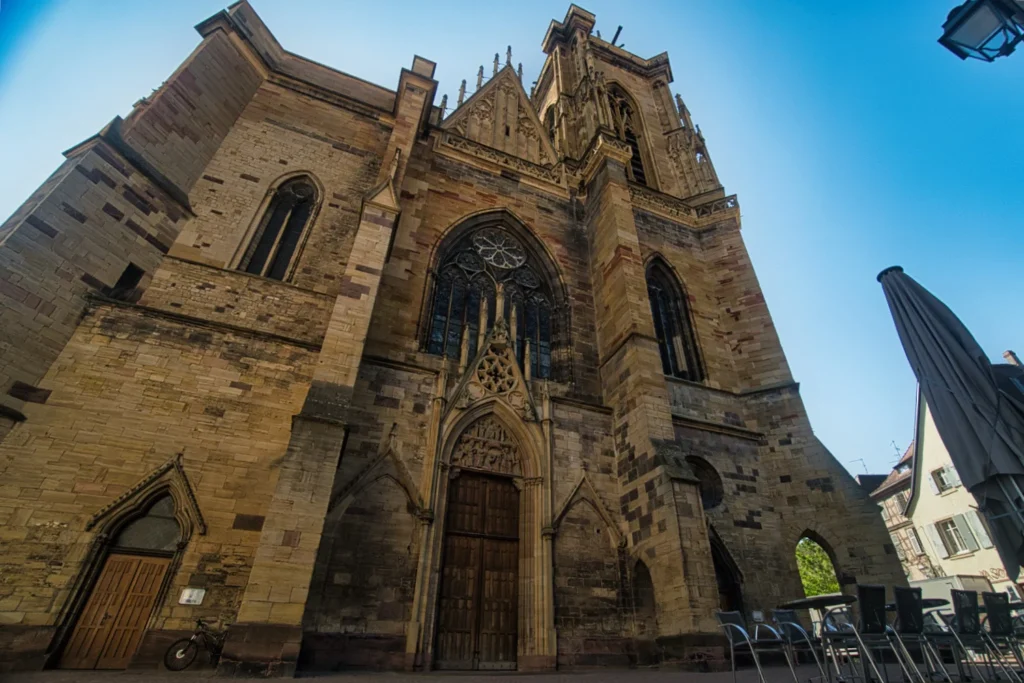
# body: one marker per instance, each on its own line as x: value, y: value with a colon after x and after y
x: 371, y: 381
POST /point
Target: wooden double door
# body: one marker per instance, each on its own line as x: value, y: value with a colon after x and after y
x: 114, y: 620
x: 478, y: 603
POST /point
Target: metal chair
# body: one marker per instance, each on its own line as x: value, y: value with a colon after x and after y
x: 740, y: 642
x: 797, y: 638
x: 875, y: 631
x: 910, y: 629
x: 1000, y: 635
x: 840, y: 638
x: 965, y: 627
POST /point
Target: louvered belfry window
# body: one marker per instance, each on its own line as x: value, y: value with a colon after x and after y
x: 628, y: 129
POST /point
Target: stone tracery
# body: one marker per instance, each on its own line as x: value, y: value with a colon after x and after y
x: 487, y: 267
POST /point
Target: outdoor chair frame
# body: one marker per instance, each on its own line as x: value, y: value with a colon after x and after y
x: 909, y: 628
x: 1000, y: 633
x: 739, y: 638
x: 797, y: 638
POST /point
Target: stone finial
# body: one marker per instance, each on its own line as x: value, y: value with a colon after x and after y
x: 508, y: 56
x: 395, y: 162
x: 480, y: 77
x: 519, y: 72
x: 495, y: 63
x: 462, y: 93
x: 444, y: 105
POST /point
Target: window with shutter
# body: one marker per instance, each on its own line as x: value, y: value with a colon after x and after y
x: 965, y: 532
x: 979, y: 527
x: 936, y: 540
x: 951, y: 538
x: 915, y: 541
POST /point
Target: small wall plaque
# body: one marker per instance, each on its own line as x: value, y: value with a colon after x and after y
x: 192, y: 596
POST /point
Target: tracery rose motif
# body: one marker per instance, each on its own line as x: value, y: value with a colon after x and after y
x: 527, y: 278
x: 470, y: 262
x: 499, y: 249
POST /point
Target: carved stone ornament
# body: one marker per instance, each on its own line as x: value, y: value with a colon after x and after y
x: 487, y: 445
x: 495, y: 372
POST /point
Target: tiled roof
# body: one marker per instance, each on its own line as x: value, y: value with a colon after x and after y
x: 896, y: 480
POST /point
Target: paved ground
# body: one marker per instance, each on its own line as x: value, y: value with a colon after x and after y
x: 774, y: 675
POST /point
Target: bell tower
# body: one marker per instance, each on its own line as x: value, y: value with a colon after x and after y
x: 589, y: 85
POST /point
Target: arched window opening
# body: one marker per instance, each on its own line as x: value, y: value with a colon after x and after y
x: 712, y: 491
x: 155, y: 530
x: 473, y: 272
x: 644, y: 609
x: 672, y: 327
x: 628, y: 129
x: 817, y: 572
x: 276, y: 239
x: 549, y: 123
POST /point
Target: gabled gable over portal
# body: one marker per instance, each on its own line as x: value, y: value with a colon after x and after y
x: 500, y: 115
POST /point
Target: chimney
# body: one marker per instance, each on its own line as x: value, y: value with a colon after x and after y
x: 1011, y: 358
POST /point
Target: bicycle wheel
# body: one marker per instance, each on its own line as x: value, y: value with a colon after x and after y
x: 181, y: 654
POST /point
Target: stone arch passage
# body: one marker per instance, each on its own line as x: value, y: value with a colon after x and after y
x: 815, y: 562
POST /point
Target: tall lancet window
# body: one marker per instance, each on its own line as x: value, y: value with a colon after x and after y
x: 472, y: 273
x: 273, y: 245
x: 627, y: 127
x: 672, y: 325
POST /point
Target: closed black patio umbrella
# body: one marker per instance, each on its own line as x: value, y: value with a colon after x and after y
x: 978, y: 407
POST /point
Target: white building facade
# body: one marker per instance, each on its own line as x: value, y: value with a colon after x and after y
x: 939, y: 531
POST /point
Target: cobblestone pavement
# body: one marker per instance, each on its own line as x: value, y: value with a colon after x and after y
x: 773, y: 674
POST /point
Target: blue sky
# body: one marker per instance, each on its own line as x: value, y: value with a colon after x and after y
x: 853, y: 140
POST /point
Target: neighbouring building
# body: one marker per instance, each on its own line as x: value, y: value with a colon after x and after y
x: 892, y: 495
x: 933, y: 520
x: 372, y: 378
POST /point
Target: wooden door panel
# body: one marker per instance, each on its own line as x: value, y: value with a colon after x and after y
x: 478, y: 608
x: 498, y: 627
x: 458, y: 602
x: 136, y: 608
x: 101, y: 609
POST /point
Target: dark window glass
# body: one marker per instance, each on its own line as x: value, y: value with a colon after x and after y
x: 627, y: 127
x: 272, y: 247
x: 472, y: 269
x: 672, y: 326
x: 156, y: 530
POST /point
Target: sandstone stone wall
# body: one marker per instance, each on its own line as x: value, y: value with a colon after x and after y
x: 283, y: 134
x: 129, y: 392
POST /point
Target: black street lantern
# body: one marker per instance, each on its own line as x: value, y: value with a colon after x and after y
x: 984, y: 29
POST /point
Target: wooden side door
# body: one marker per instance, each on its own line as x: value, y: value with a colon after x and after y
x: 115, y: 615
x: 477, y: 611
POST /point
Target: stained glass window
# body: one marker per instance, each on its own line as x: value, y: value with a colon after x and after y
x: 470, y: 273
x: 672, y: 326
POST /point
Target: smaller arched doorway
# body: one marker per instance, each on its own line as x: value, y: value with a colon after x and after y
x: 123, y: 597
x: 727, y: 576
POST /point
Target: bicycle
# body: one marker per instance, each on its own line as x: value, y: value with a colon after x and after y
x: 182, y: 653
